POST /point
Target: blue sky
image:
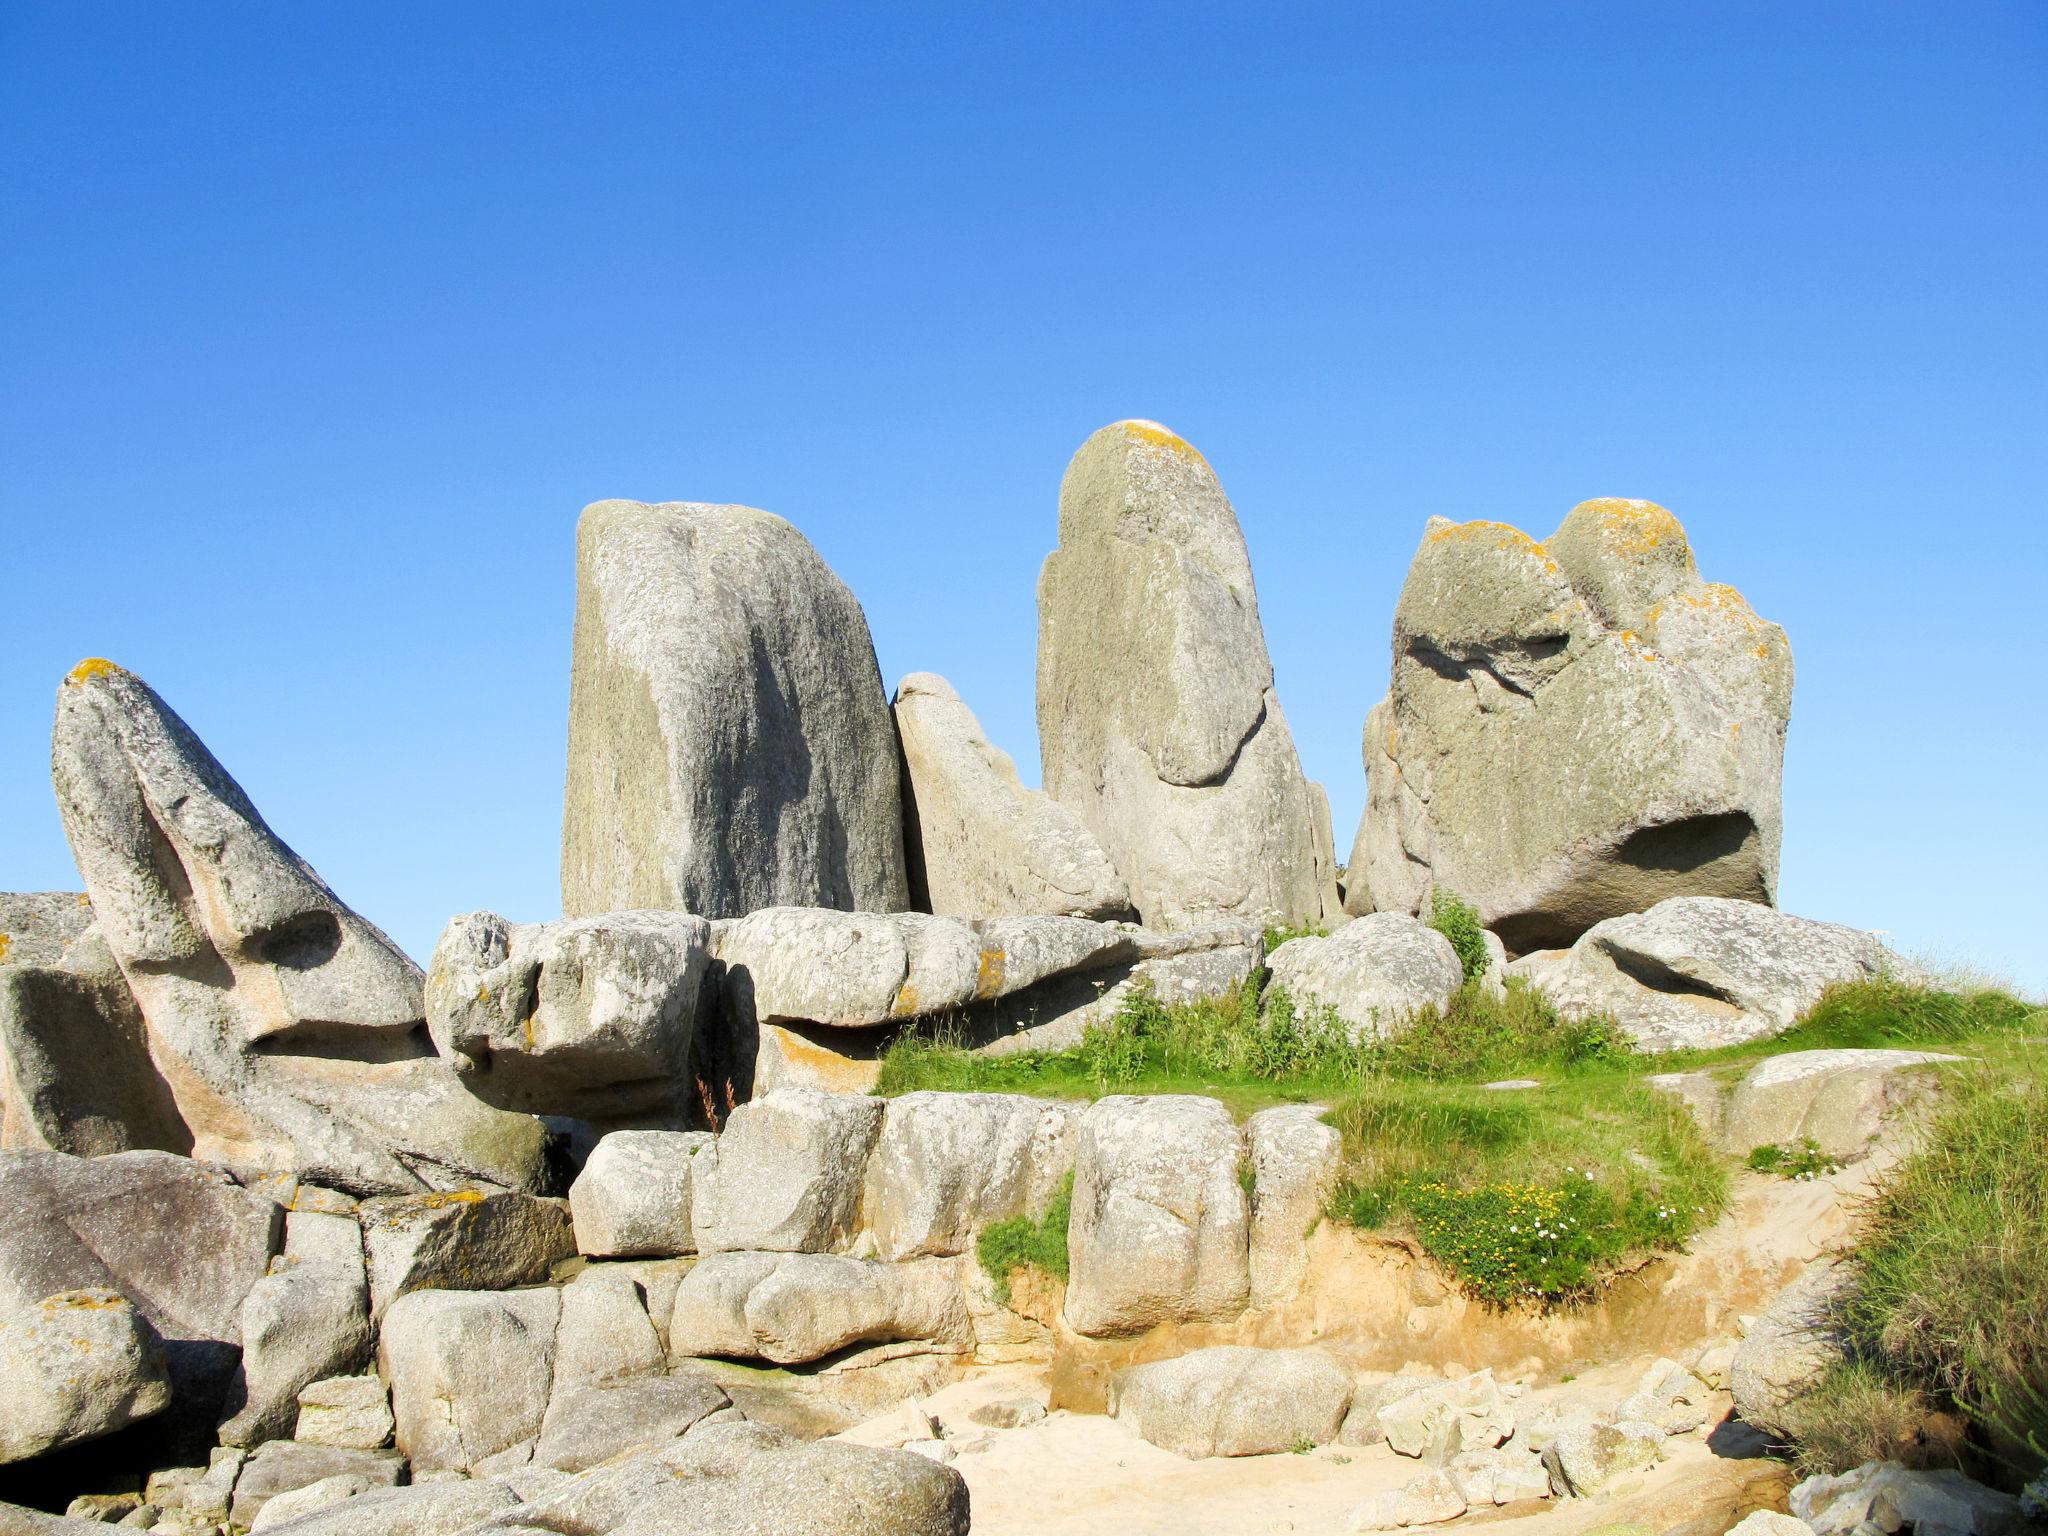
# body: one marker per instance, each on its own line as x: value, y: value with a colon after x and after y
x: 319, y: 325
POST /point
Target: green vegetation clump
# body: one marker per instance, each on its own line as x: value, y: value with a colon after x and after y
x: 1856, y: 1414
x: 1022, y: 1243
x: 1280, y: 933
x: 1801, y: 1159
x: 1458, y: 920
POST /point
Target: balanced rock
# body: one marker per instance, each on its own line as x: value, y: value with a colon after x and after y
x: 1574, y: 731
x: 633, y: 1197
x: 1233, y: 1401
x: 979, y: 843
x: 1702, y: 971
x: 590, y: 1018
x: 729, y: 741
x: 948, y: 1164
x: 1160, y: 1224
x: 1157, y: 719
x: 75, y: 1366
x: 289, y: 1032
x: 1375, y: 973
x: 794, y: 1307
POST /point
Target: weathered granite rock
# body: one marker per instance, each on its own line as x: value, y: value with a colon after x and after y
x: 979, y: 843
x: 1705, y: 971
x: 1669, y: 1396
x: 632, y: 1198
x: 590, y: 1018
x: 1574, y: 731
x: 1160, y: 1226
x: 75, y: 1073
x: 1790, y: 1346
x: 1362, y: 1424
x: 1499, y: 1476
x: 1439, y: 1421
x: 1158, y: 723
x: 75, y: 1366
x: 37, y: 926
x: 313, y: 1497
x: 791, y: 1308
x: 182, y: 1239
x: 786, y: 1173
x: 353, y: 1412
x: 1376, y: 972
x: 1296, y: 1160
x: 605, y: 1333
x: 591, y: 1424
x: 1588, y: 1456
x: 465, y: 1241
x: 852, y: 970
x: 427, y: 1509
x: 281, y: 1466
x: 1885, y: 1496
x: 307, y: 1319
x: 1838, y: 1099
x: 1768, y: 1522
x: 288, y: 1030
x: 1233, y: 1401
x: 730, y: 746
x: 948, y: 1164
x: 470, y: 1372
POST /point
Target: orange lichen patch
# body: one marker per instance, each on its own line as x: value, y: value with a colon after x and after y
x: 1763, y: 651
x: 437, y: 1200
x: 84, y: 900
x: 84, y: 1301
x: 1502, y: 535
x: 90, y: 668
x: 905, y: 1005
x: 1633, y: 527
x: 988, y: 981
x: 4, y: 943
x: 1154, y: 435
x: 1734, y: 727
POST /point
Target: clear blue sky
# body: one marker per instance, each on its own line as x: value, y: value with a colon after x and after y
x: 319, y: 325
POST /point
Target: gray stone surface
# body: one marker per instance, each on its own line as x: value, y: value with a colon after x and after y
x: 1296, y: 1161
x: 1158, y: 724
x: 1590, y: 1455
x: 1499, y: 1476
x: 353, y: 1412
x: 35, y: 926
x: 470, y: 1372
x: 465, y: 1241
x: 313, y: 1497
x: 1885, y: 1496
x: 786, y: 1173
x: 75, y: 1073
x: 730, y: 746
x: 1376, y: 972
x: 591, y: 1018
x: 181, y: 1239
x: 287, y: 1029
x: 433, y: 1509
x: 280, y: 1466
x: 633, y: 1197
x: 853, y: 970
x: 1838, y: 1099
x: 791, y: 1308
x: 1160, y: 1227
x: 1233, y: 1401
x: 1669, y: 1396
x: 75, y: 1366
x: 307, y: 1319
x: 1790, y: 1346
x: 1703, y: 971
x: 605, y: 1333
x: 1573, y: 731
x: 948, y: 1164
x: 979, y: 843
x: 1438, y: 1421
x: 1430, y: 1498
x: 591, y: 1424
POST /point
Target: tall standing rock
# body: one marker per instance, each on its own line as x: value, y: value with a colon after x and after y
x: 1156, y: 712
x: 979, y: 843
x: 1575, y: 730
x: 730, y: 746
x: 290, y: 1034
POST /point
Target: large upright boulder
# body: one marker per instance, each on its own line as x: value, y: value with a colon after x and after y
x: 979, y: 843
x: 729, y: 741
x: 1157, y: 717
x: 591, y: 1018
x: 291, y: 1033
x: 1574, y: 730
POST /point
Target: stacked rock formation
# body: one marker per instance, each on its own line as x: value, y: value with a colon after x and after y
x: 1575, y: 730
x: 1157, y: 718
x: 729, y: 741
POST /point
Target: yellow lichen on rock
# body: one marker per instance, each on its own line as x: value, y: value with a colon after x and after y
x: 1154, y: 435
x: 90, y: 668
x: 988, y: 981
x: 4, y: 942
x: 905, y: 1006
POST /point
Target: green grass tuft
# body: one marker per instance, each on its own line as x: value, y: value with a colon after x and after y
x: 1802, y: 1159
x: 1856, y: 1414
x: 1458, y: 920
x: 1023, y: 1243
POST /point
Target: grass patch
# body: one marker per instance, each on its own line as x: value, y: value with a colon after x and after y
x: 1857, y: 1413
x: 1024, y: 1243
x: 1458, y: 920
x: 1801, y: 1159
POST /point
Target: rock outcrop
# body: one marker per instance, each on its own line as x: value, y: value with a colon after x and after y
x: 979, y: 843
x: 730, y: 746
x: 1157, y: 718
x: 1701, y: 971
x: 591, y: 1018
x: 289, y: 1033
x: 633, y: 1197
x: 1575, y: 730
x: 786, y: 1174
x: 1234, y: 1401
x: 948, y: 1164
x: 794, y: 1307
x: 1375, y: 972
x: 75, y: 1366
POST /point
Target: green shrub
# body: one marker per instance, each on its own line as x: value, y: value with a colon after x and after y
x: 1280, y: 933
x: 1482, y: 1035
x: 1801, y: 1159
x: 1855, y: 1414
x: 1022, y: 1243
x: 1458, y: 920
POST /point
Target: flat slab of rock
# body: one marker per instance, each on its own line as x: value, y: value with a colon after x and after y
x: 1234, y: 1401
x: 592, y: 1424
x: 1638, y: 711
x: 280, y: 1466
x: 1158, y: 722
x: 730, y: 746
x: 1838, y: 1099
x: 1375, y: 973
x: 792, y: 1308
x: 75, y: 1366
